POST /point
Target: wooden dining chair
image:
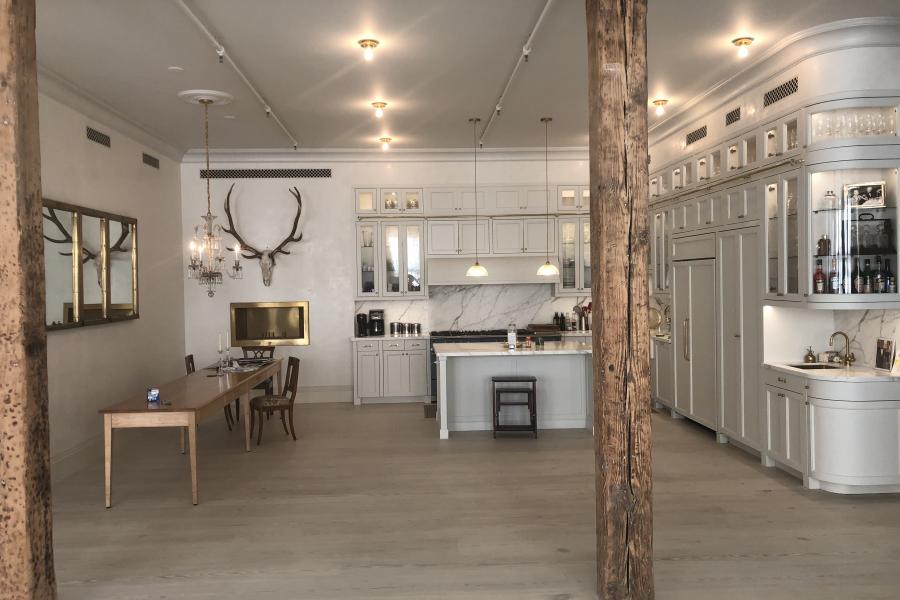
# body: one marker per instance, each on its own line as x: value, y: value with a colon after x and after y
x: 190, y: 368
x: 259, y: 352
x: 283, y: 402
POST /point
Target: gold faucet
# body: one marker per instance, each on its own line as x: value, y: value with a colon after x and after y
x: 847, y: 358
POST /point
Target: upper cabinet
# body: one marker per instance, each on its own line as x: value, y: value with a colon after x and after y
x: 395, y: 201
x: 366, y: 200
x: 783, y: 136
x: 458, y: 237
x: 576, y: 198
x: 574, y: 257
x: 783, y: 224
x: 862, y: 120
x: 530, y: 236
x: 402, y: 258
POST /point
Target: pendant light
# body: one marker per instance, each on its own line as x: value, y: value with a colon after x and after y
x: 476, y: 270
x: 548, y: 269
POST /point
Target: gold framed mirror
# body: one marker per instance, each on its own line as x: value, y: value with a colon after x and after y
x: 91, y: 266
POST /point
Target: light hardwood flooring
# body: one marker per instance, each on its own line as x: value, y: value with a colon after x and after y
x: 369, y: 504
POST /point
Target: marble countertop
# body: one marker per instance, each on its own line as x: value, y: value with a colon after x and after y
x: 854, y: 373
x: 573, y: 333
x: 372, y: 338
x: 499, y: 349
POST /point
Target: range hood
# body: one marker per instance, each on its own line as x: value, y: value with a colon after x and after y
x: 501, y: 270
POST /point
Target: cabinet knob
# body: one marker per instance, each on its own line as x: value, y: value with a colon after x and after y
x: 741, y: 216
x: 781, y: 395
x: 737, y: 335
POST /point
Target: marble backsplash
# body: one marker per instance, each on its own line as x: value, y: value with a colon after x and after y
x: 864, y: 327
x: 477, y: 306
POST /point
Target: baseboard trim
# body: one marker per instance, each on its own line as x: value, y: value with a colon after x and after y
x: 78, y: 457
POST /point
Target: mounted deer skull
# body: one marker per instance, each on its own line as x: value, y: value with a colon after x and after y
x: 266, y: 257
x: 87, y: 255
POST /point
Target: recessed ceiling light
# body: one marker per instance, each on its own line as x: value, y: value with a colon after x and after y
x: 379, y: 108
x: 743, y: 45
x: 368, y: 45
x: 385, y: 143
x: 660, y: 105
x: 176, y: 69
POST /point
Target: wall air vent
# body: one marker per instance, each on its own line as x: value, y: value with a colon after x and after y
x: 99, y: 137
x: 733, y: 116
x: 265, y: 173
x: 151, y: 161
x: 781, y: 92
x: 695, y: 136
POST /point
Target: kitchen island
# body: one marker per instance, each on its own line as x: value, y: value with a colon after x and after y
x: 564, y: 383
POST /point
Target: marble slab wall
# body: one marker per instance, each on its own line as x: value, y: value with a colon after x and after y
x: 864, y: 327
x: 477, y: 306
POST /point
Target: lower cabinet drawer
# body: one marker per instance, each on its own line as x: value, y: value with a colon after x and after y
x: 392, y: 345
x: 785, y: 381
x: 416, y: 344
x: 366, y: 346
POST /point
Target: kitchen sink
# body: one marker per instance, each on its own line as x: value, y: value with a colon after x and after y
x: 807, y: 366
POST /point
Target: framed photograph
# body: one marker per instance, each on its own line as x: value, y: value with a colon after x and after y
x: 884, y: 354
x: 864, y: 195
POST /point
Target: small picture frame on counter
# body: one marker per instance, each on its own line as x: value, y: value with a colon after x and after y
x: 885, y: 352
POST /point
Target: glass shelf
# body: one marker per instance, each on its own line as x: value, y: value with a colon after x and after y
x: 852, y: 123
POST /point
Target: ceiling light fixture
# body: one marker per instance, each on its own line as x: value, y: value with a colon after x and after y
x: 368, y: 45
x: 743, y: 45
x: 548, y: 269
x: 379, y: 109
x: 385, y: 143
x: 660, y: 105
x: 476, y: 270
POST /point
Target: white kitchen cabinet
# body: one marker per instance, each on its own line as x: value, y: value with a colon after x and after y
x: 405, y: 373
x: 401, y: 201
x: 367, y: 259
x: 457, y: 237
x: 368, y: 373
x: 664, y: 372
x: 366, y: 200
x: 442, y: 201
x: 402, y: 259
x: 785, y: 428
x: 534, y: 200
x: 741, y: 204
x: 515, y: 200
x: 506, y: 200
x: 574, y: 257
x: 783, y: 136
x: 783, y: 225
x: 577, y: 198
x: 528, y: 236
x: 694, y: 339
x: 739, y: 333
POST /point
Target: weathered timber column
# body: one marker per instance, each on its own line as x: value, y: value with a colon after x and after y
x: 26, y: 550
x: 617, y: 96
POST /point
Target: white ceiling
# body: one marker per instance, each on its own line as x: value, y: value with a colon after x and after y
x: 440, y: 62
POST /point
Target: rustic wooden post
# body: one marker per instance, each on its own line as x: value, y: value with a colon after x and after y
x: 617, y: 90
x: 26, y: 550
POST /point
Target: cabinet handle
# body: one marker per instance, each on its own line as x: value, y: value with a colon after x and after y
x: 709, y: 222
x: 684, y: 333
x: 780, y: 395
x: 737, y: 335
x: 781, y: 379
x: 741, y: 216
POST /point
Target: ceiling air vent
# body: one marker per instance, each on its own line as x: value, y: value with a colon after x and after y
x: 782, y: 91
x: 265, y: 173
x: 99, y: 137
x: 696, y: 135
x: 733, y: 116
x: 151, y: 161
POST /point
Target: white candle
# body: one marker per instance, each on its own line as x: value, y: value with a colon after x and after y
x: 237, y: 251
x: 220, y: 341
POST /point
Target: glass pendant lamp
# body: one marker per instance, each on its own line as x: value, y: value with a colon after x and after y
x: 477, y: 269
x: 548, y: 269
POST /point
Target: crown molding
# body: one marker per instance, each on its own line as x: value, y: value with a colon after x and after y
x: 771, y: 62
x: 55, y: 86
x: 353, y: 155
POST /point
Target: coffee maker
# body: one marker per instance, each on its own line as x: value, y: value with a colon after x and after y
x: 376, y: 322
x: 362, y: 325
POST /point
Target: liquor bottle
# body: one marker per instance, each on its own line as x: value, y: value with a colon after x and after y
x: 556, y: 319
x: 857, y: 279
x: 878, y: 277
x: 834, y: 279
x: 890, y: 281
x: 867, y: 277
x: 823, y: 247
x: 819, y: 278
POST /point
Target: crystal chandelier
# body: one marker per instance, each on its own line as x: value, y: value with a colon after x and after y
x: 207, y: 259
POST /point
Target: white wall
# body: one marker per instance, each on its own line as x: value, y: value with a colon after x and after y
x: 92, y: 367
x: 321, y: 268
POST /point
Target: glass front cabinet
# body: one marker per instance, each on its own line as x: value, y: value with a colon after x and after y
x: 402, y: 258
x: 574, y: 257
x: 783, y: 223
x: 367, y: 244
x: 853, y: 240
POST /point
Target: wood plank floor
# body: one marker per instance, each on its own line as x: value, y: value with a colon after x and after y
x: 369, y: 504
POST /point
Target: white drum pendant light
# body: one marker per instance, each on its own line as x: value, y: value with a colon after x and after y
x: 548, y: 269
x: 476, y: 270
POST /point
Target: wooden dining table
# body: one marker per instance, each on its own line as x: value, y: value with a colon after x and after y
x: 185, y: 402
